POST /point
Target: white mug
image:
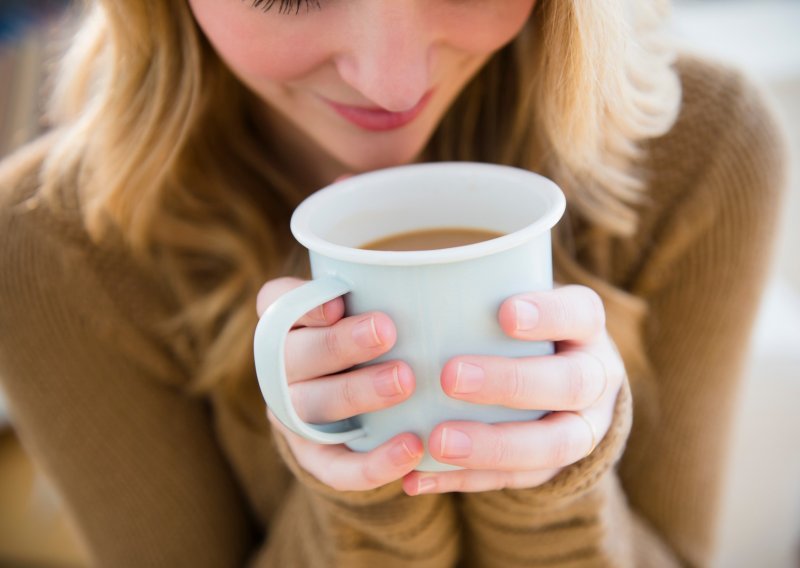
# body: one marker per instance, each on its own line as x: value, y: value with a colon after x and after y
x: 443, y: 302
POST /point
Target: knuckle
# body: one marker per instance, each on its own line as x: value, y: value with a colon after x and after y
x: 560, y: 314
x: 565, y: 450
x: 513, y: 385
x: 273, y: 289
x: 300, y: 402
x: 617, y: 375
x: 348, y: 396
x: 460, y: 484
x: 333, y: 343
x: 309, y: 461
x: 370, y: 475
x: 586, y: 379
x: 616, y: 371
x: 575, y: 383
x: 607, y: 375
x: 501, y: 453
x: 559, y: 451
x: 597, y: 310
x: 264, y: 299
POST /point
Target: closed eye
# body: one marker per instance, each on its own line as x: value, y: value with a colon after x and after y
x: 286, y: 6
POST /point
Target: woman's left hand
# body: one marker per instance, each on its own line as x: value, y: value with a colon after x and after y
x: 579, y: 383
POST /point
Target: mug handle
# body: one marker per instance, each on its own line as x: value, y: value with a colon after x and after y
x: 269, y: 346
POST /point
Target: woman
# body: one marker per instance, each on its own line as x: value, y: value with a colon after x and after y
x: 143, y: 234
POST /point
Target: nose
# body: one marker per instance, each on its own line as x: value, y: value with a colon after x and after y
x: 387, y: 56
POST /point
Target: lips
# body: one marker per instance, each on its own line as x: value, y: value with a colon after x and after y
x: 377, y: 119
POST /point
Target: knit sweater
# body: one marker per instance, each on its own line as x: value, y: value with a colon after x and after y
x: 156, y: 477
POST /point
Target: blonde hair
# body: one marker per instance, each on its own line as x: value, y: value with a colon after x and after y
x: 157, y: 135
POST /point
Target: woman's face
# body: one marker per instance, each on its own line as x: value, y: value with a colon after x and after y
x: 364, y: 82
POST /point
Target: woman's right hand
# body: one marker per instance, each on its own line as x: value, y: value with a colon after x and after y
x: 320, y: 350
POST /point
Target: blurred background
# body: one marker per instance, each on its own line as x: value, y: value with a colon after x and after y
x: 761, y: 510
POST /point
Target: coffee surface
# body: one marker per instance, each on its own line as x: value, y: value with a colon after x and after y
x: 432, y: 239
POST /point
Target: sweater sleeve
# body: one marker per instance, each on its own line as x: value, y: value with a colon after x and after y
x: 703, y: 285
x: 99, y: 406
x: 151, y: 475
x: 701, y: 280
x: 102, y: 408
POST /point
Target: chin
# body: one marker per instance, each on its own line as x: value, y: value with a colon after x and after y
x: 378, y: 156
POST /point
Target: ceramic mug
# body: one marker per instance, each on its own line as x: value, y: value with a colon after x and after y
x: 443, y: 302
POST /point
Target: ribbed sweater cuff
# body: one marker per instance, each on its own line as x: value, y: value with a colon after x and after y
x: 574, y: 480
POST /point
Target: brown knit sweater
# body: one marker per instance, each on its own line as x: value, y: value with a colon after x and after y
x: 155, y: 477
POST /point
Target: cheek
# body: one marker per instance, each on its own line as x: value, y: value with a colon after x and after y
x: 487, y: 25
x: 260, y: 46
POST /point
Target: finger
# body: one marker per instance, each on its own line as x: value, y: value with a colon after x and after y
x: 572, y: 312
x: 342, y: 396
x: 326, y: 314
x: 573, y: 379
x: 316, y: 352
x: 557, y: 440
x: 470, y: 481
x: 345, y: 470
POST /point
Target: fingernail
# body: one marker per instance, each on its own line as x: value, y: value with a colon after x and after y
x: 527, y: 315
x: 469, y: 378
x: 425, y: 485
x: 455, y: 444
x: 365, y: 334
x: 387, y: 382
x: 401, y: 454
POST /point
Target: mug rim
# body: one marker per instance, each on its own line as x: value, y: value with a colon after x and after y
x: 301, y: 221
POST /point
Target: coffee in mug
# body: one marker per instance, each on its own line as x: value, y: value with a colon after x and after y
x: 430, y: 239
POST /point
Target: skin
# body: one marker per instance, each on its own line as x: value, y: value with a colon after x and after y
x: 389, y: 53
x: 343, y: 51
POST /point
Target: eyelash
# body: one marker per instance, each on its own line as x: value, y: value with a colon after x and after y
x: 286, y: 6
